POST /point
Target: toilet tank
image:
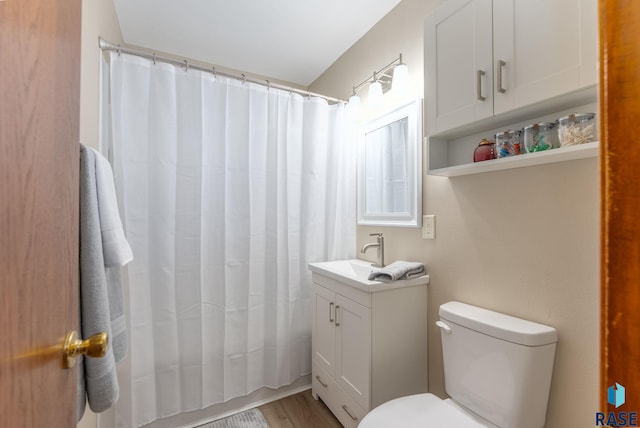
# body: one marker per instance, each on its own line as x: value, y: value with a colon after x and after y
x: 497, y: 366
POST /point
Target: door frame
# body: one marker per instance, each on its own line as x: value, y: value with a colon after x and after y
x: 619, y: 22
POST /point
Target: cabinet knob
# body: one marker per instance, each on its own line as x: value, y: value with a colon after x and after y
x: 346, y: 409
x: 501, y: 65
x: 321, y: 382
x: 479, y: 75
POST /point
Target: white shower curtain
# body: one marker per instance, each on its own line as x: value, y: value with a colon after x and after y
x: 228, y: 190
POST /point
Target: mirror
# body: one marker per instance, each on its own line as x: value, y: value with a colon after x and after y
x: 389, y: 166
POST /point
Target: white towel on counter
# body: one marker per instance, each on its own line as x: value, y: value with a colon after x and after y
x: 101, y: 295
x: 398, y: 270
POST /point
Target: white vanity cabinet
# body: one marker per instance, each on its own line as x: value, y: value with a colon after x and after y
x: 368, y: 345
x: 488, y: 57
x: 342, y: 344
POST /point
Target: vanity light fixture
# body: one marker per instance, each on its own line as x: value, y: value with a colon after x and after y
x: 381, y: 81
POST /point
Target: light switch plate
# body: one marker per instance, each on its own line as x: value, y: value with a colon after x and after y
x: 429, y: 226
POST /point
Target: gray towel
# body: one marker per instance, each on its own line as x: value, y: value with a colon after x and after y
x: 398, y: 270
x: 116, y: 252
x: 101, y: 300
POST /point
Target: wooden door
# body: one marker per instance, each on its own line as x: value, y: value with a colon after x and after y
x: 548, y: 48
x: 353, y: 350
x: 458, y: 64
x: 39, y: 128
x: 323, y: 333
x: 620, y: 200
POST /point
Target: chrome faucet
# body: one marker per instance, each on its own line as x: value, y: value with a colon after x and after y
x: 380, y: 247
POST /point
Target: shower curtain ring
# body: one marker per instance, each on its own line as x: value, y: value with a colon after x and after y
x: 186, y: 65
x: 154, y: 58
x: 268, y: 85
x: 244, y: 79
x: 119, y: 50
x: 215, y: 73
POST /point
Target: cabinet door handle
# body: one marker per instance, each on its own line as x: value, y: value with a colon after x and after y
x: 346, y: 409
x: 331, y: 319
x: 501, y: 65
x: 321, y: 382
x: 479, y: 75
x: 337, y: 323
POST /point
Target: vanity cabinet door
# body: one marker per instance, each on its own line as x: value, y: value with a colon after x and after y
x: 323, y: 338
x: 353, y: 349
x: 458, y: 64
x: 547, y: 48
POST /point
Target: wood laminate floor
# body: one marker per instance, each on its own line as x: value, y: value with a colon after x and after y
x: 299, y: 411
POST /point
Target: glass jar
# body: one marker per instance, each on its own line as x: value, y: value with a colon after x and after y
x: 486, y: 150
x: 578, y: 128
x: 540, y: 136
x: 509, y: 143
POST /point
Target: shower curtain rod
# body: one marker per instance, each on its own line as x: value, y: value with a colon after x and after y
x: 108, y: 46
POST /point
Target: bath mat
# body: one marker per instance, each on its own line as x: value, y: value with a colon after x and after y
x: 251, y: 418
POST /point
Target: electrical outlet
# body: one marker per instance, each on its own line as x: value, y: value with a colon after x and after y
x: 429, y: 227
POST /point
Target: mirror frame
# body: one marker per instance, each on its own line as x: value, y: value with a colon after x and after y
x: 413, y: 218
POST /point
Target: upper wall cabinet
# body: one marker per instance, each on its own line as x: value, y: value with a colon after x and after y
x: 458, y: 64
x: 484, y: 58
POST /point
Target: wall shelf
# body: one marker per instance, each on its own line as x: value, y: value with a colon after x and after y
x: 562, y: 154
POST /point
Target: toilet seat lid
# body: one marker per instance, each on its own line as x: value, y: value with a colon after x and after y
x: 420, y: 410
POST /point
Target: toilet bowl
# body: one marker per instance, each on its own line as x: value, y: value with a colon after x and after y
x: 497, y: 372
x: 422, y: 410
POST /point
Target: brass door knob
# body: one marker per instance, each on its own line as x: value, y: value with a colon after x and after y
x: 95, y: 346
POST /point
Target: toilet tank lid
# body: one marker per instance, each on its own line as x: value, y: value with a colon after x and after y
x: 498, y: 325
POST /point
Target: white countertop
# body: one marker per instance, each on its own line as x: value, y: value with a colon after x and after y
x: 355, y: 272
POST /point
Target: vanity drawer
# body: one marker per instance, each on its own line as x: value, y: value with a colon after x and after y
x: 348, y: 412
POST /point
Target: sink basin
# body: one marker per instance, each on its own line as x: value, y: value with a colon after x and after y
x: 355, y: 273
x: 362, y: 270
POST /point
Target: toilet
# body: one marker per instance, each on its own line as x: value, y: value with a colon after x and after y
x: 497, y: 371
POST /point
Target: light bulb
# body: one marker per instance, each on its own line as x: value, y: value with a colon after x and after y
x: 354, y: 107
x: 375, y: 94
x: 400, y: 84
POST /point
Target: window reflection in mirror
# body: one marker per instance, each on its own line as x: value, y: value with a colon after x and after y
x: 385, y: 166
x: 389, y: 168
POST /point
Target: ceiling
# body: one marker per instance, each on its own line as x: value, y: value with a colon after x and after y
x: 290, y: 40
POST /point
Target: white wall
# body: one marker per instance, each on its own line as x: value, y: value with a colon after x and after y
x: 501, y: 242
x: 98, y: 19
